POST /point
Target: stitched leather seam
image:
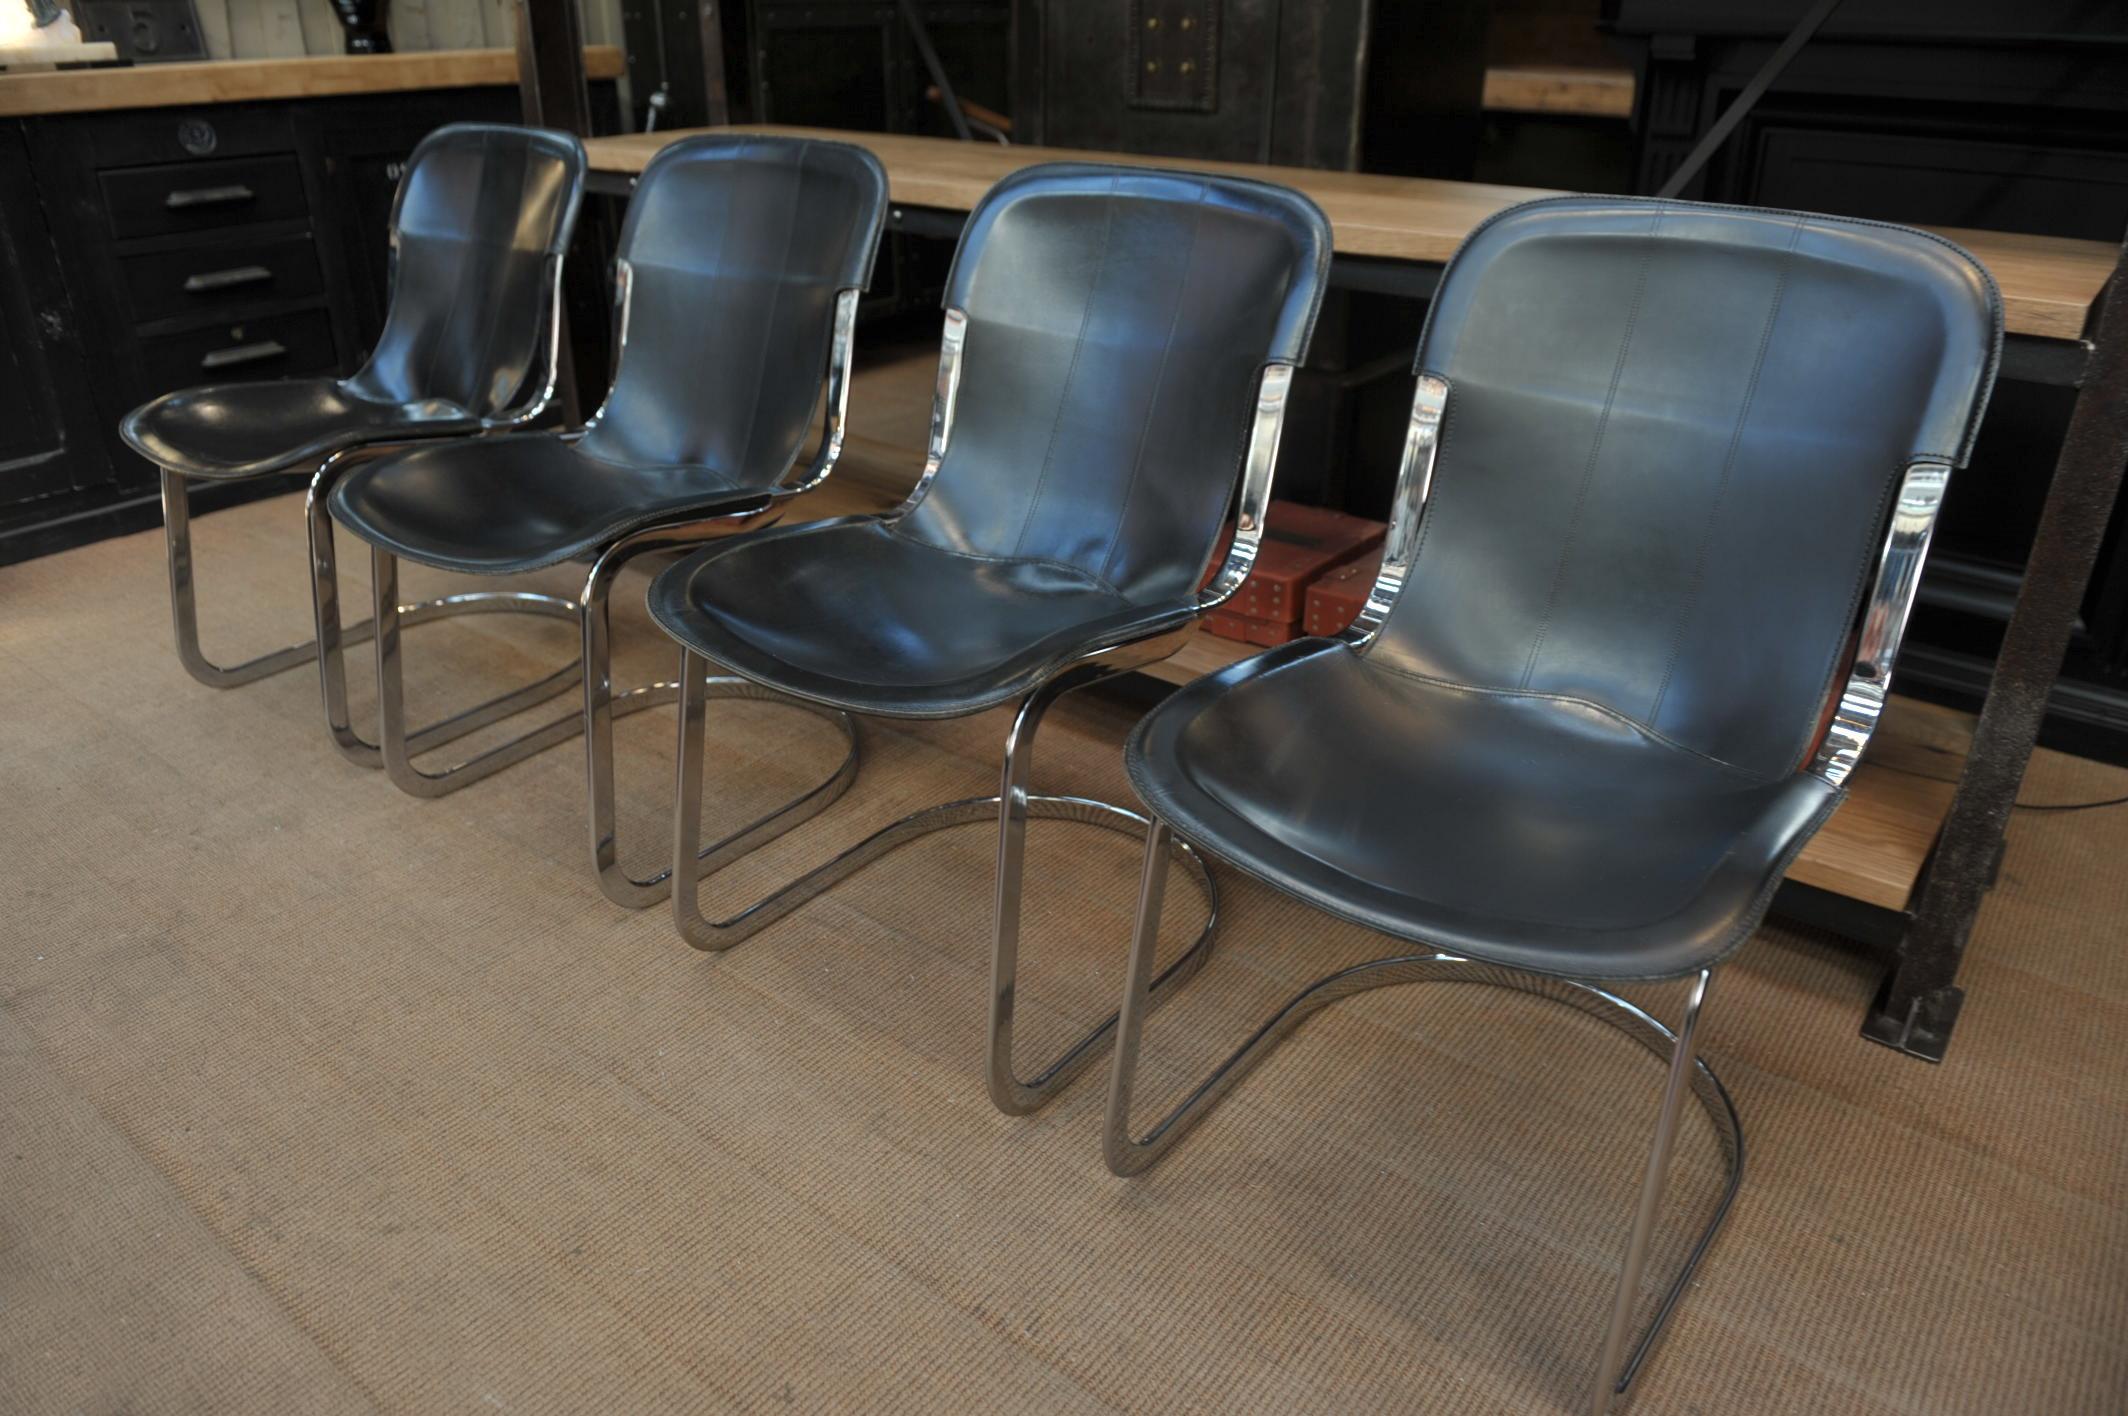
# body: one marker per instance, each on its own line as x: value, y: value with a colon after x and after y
x: 893, y: 528
x: 1071, y: 370
x: 768, y: 329
x: 1591, y: 705
x: 1721, y: 485
x: 1152, y: 402
x: 1588, y: 470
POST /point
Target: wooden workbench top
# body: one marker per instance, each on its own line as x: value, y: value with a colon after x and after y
x: 2048, y: 283
x: 243, y: 80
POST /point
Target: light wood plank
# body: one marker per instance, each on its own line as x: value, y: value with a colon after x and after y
x: 323, y: 33
x: 1585, y: 93
x: 240, y: 81
x: 412, y: 28
x: 459, y: 24
x: 499, y: 21
x: 2048, y: 283
x: 214, y: 28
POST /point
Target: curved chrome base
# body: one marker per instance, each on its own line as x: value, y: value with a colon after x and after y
x: 184, y: 613
x: 1011, y: 809
x: 1129, y: 1155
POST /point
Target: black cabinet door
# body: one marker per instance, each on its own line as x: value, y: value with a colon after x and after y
x: 44, y: 388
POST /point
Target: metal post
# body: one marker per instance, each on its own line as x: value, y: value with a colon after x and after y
x: 1919, y: 1003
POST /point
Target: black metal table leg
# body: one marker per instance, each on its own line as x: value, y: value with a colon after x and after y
x: 1919, y: 1002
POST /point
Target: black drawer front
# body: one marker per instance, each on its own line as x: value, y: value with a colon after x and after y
x: 200, y: 196
x: 275, y: 346
x: 225, y: 275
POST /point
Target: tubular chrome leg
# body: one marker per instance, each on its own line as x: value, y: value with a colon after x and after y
x: 184, y: 605
x: 333, y: 640
x: 1011, y: 809
x: 1129, y: 1155
x: 393, y: 740
x: 1613, y: 1373
x: 601, y: 707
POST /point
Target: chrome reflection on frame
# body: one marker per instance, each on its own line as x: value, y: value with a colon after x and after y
x: 834, y: 418
x: 1422, y: 444
x: 1891, y: 600
x: 1622, y: 1356
x: 952, y: 339
x: 1258, y: 463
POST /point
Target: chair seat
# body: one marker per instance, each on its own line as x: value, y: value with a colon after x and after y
x: 503, y: 505
x: 859, y: 616
x: 228, y: 431
x: 1526, y: 830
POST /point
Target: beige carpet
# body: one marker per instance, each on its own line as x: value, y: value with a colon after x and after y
x: 317, y: 1097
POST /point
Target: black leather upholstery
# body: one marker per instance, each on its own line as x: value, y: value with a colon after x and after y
x: 1117, y: 324
x: 1664, y: 475
x: 482, y: 212
x: 731, y: 259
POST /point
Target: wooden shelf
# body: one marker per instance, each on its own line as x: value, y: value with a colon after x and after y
x: 1579, y: 93
x: 245, y: 80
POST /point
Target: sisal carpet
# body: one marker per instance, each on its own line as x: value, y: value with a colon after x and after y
x: 316, y: 1097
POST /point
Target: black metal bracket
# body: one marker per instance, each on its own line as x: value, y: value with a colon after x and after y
x: 1736, y: 112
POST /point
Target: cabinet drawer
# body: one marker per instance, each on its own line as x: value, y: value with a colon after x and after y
x: 276, y: 346
x: 203, y: 279
x: 200, y: 196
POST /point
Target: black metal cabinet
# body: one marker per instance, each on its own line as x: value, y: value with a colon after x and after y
x: 154, y: 249
x: 48, y: 445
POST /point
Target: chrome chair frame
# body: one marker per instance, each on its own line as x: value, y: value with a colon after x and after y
x: 601, y: 706
x: 1143, y: 644
x: 326, y: 647
x: 1621, y: 1357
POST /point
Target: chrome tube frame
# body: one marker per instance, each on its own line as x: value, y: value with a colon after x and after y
x: 1015, y: 804
x: 1400, y: 548
x: 1011, y: 808
x: 1258, y: 462
x: 1891, y: 600
x: 601, y: 705
x: 1128, y: 1154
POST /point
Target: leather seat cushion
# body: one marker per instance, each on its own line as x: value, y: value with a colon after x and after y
x: 853, y: 614
x: 1521, y: 829
x: 246, y: 430
x: 498, y: 506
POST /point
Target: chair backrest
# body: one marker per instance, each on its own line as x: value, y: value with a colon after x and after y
x: 734, y: 251
x: 1118, y: 319
x: 1672, y: 438
x: 479, y: 226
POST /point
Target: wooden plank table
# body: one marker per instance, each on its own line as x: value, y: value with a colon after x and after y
x: 2048, y: 283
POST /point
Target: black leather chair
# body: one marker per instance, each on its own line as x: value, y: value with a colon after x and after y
x: 479, y: 225
x: 1118, y: 346
x: 740, y: 267
x: 1670, y: 476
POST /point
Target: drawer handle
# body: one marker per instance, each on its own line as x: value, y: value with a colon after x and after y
x: 208, y: 196
x: 226, y: 279
x: 244, y: 354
